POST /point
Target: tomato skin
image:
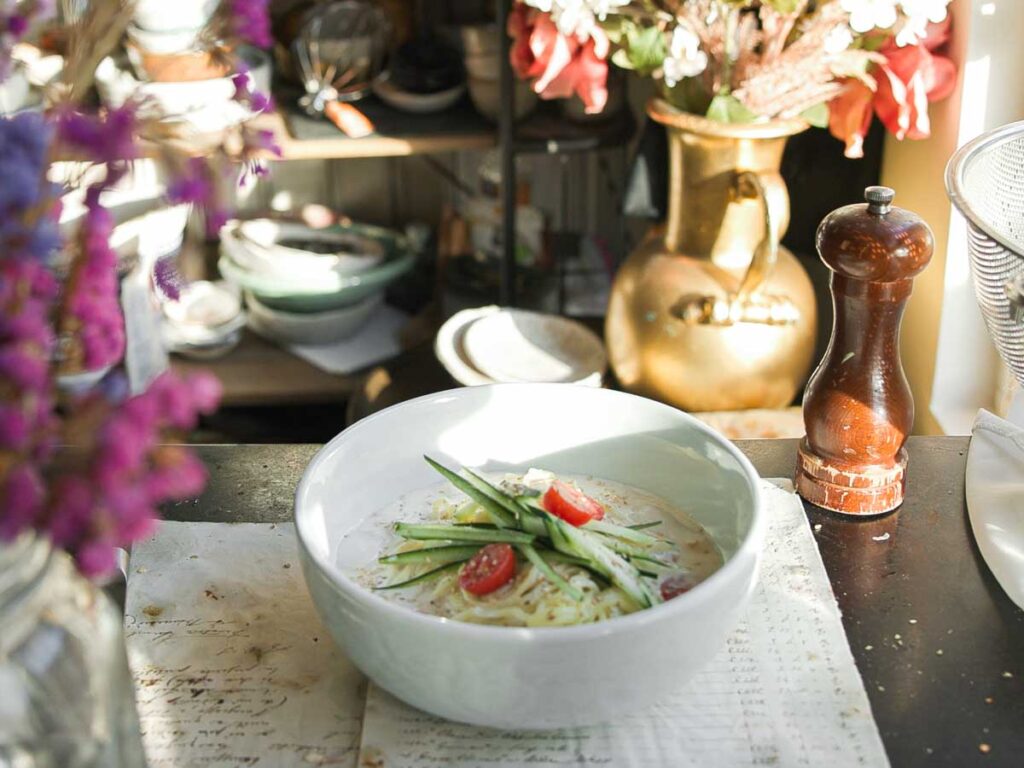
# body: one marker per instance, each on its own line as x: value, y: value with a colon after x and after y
x: 491, y: 568
x: 676, y: 584
x: 573, y: 506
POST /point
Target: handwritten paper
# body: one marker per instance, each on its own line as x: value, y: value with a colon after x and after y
x: 231, y: 664
x: 784, y: 691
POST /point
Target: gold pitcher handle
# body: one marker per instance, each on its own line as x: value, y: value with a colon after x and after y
x: 771, y: 190
x: 746, y: 305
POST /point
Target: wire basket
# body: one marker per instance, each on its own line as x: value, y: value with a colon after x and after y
x: 985, y: 181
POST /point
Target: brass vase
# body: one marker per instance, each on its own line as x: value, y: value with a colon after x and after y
x: 711, y: 312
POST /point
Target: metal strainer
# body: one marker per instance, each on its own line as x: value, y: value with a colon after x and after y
x: 985, y: 181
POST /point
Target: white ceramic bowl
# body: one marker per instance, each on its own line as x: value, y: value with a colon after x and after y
x: 204, y: 104
x: 490, y: 345
x: 416, y: 103
x: 530, y: 677
x: 163, y: 41
x: 315, y: 328
x: 161, y: 15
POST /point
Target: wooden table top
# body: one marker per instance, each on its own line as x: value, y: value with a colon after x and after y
x: 938, y: 643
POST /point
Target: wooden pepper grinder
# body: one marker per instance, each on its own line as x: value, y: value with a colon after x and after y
x: 858, y: 408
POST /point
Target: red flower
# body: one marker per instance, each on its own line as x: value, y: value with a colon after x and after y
x: 907, y: 80
x: 559, y: 65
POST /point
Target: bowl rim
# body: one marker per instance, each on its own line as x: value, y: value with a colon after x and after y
x: 751, y: 544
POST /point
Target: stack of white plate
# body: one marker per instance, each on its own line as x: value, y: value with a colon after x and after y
x: 490, y: 344
x: 307, y: 285
x: 310, y: 328
x: 204, y: 106
x: 205, y: 322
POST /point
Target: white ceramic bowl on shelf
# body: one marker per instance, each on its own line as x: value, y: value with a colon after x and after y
x: 530, y: 677
x: 490, y: 345
x: 416, y: 103
x: 313, y: 328
x: 206, y: 105
x: 164, y: 15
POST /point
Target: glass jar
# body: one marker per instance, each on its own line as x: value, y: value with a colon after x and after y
x: 66, y: 696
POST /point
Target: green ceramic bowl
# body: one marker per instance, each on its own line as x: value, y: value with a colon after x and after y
x: 300, y: 296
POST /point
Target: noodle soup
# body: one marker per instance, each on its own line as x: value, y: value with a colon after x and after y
x: 573, y: 550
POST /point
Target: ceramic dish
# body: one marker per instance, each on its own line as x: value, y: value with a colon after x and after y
x: 41, y: 68
x: 161, y: 15
x: 417, y: 103
x: 515, y: 345
x: 76, y: 384
x: 182, y: 65
x: 273, y: 247
x: 205, y: 314
x: 301, y: 294
x: 210, y: 351
x: 530, y: 678
x: 206, y: 105
x: 313, y: 328
x: 449, y: 347
x: 145, y: 229
x: 14, y: 91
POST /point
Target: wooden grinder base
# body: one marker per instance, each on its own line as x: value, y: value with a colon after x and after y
x: 852, y: 491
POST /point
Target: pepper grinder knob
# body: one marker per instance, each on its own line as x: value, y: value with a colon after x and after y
x: 858, y: 408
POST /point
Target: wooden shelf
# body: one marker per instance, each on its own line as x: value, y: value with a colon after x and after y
x: 400, y: 134
x: 546, y: 130
x: 302, y: 137
x: 257, y: 372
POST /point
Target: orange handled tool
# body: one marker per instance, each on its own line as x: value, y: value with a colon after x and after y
x: 349, y: 120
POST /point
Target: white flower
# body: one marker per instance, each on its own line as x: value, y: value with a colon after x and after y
x: 932, y: 10
x: 918, y: 14
x: 577, y: 17
x: 839, y: 39
x: 685, y: 58
x: 866, y: 15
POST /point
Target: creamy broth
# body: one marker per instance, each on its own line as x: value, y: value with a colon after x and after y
x: 528, y: 600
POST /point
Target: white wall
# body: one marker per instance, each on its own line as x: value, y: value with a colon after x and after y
x: 949, y: 359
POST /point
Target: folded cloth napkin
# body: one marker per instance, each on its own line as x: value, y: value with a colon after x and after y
x: 995, y: 496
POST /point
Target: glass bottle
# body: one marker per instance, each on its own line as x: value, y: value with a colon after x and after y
x: 66, y: 696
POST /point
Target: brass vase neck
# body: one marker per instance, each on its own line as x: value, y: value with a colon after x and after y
x: 709, y: 213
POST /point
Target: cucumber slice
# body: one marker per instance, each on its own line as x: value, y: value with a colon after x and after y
x: 553, y: 555
x: 651, y: 565
x: 626, y: 534
x: 493, y: 492
x: 550, y: 573
x: 644, y: 526
x: 619, y: 571
x: 498, y: 513
x: 424, y: 576
x: 469, y: 533
x: 446, y: 553
x: 532, y: 518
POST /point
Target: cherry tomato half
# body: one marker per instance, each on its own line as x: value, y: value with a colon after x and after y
x: 573, y: 506
x: 676, y: 584
x: 491, y: 567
